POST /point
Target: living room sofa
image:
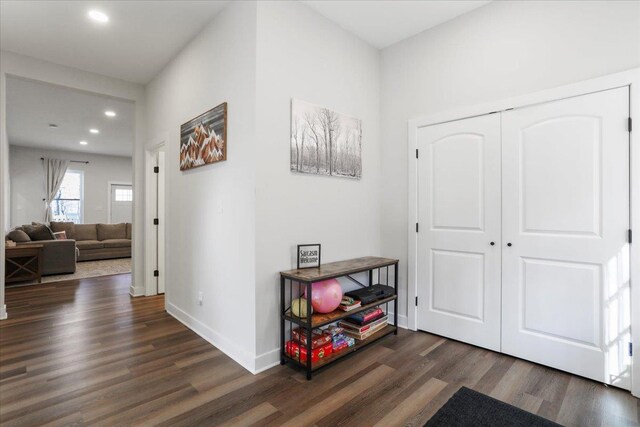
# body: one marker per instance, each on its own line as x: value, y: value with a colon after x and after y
x: 98, y: 241
x: 58, y: 256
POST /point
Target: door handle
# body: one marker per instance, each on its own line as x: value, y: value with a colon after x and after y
x: 492, y: 243
x: 509, y: 244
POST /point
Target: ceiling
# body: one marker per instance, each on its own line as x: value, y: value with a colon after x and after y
x: 141, y: 37
x: 32, y: 106
x: 382, y: 23
x: 138, y: 41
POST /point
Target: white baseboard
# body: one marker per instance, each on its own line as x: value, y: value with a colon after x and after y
x: 222, y: 343
x: 136, y: 291
x: 267, y: 360
x: 253, y: 364
x: 403, y: 321
x: 3, y: 312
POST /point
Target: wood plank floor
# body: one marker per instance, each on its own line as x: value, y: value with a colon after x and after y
x: 85, y: 353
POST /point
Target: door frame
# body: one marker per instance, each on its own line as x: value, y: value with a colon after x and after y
x: 630, y: 79
x: 150, y: 282
x: 109, y: 184
x: 13, y: 65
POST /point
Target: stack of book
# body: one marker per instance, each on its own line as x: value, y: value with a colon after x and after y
x: 364, y: 324
x: 349, y: 303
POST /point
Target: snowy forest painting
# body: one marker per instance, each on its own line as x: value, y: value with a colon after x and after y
x: 203, y: 140
x: 324, y: 142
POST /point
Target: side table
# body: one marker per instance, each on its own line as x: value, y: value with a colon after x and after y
x: 23, y: 262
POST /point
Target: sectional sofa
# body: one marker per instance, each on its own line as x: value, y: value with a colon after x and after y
x: 83, y: 242
x: 98, y: 241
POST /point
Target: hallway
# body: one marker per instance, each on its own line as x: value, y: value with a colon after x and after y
x: 84, y: 352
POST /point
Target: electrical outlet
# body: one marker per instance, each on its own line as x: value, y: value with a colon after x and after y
x: 200, y: 297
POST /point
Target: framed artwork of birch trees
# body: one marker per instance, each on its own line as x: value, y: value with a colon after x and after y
x: 324, y: 142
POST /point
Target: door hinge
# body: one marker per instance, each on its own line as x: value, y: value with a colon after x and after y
x: 416, y: 301
x: 156, y: 273
x: 629, y: 236
x: 417, y: 227
x: 416, y: 153
x: 156, y: 169
x: 156, y: 221
x: 630, y: 349
x: 629, y: 127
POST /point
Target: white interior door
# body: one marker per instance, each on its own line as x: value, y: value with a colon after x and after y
x: 161, y: 222
x: 565, y: 220
x: 459, y: 218
x: 121, y: 203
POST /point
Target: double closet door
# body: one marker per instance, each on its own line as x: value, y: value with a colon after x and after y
x: 523, y: 245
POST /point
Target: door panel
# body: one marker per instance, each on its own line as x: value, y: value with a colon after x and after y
x: 565, y: 277
x: 459, y: 215
x: 561, y: 176
x: 462, y: 276
x: 457, y: 165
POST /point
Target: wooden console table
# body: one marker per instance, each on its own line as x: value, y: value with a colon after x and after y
x: 299, y: 280
x: 23, y: 262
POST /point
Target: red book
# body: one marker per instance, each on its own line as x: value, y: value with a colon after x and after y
x: 366, y: 316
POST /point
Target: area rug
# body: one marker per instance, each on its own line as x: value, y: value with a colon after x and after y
x: 470, y: 408
x: 87, y: 269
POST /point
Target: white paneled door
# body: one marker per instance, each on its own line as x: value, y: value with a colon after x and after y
x: 460, y: 225
x: 565, y: 256
x: 523, y: 233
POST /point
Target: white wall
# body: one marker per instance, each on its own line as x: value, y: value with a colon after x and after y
x: 305, y: 56
x: 210, y: 232
x: 27, y: 182
x: 498, y: 51
x: 21, y: 66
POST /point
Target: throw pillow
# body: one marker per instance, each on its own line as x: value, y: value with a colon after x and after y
x: 18, y: 236
x: 60, y: 235
x: 38, y: 232
x: 68, y: 227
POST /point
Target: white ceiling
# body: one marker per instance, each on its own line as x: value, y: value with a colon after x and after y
x: 138, y: 41
x: 141, y: 37
x: 32, y: 106
x: 382, y: 23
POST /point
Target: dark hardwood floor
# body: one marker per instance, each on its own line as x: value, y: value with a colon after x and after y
x: 84, y: 352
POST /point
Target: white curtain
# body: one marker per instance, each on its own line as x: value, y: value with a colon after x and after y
x: 54, y: 170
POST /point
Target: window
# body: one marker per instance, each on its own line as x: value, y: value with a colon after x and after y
x: 67, y: 205
x: 124, y: 195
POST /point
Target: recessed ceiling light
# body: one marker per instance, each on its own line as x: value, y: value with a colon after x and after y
x: 98, y: 16
x: 110, y: 113
x: 94, y: 131
x: 83, y: 142
x: 53, y: 125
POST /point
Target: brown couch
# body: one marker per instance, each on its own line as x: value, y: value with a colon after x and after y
x: 98, y: 241
x: 58, y: 256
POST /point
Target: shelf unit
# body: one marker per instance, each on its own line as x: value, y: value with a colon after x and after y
x: 299, y: 280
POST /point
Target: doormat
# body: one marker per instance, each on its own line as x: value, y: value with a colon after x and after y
x: 470, y: 408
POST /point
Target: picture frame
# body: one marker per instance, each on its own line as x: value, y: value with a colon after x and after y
x: 203, y: 139
x: 324, y: 142
x: 309, y: 255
